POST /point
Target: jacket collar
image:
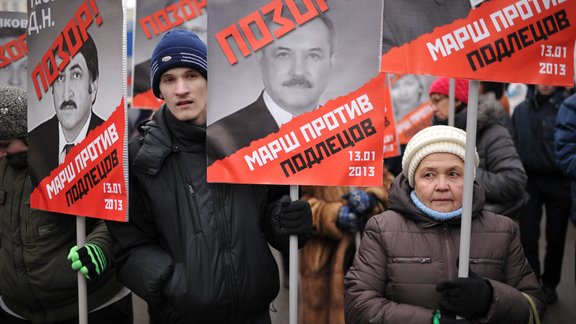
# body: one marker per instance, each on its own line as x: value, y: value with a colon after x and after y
x: 162, y: 135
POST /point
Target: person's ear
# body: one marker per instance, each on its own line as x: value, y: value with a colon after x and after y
x: 93, y: 90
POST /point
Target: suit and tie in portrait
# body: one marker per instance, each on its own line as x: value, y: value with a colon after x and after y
x: 74, y: 93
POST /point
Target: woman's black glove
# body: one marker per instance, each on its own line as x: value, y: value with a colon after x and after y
x: 292, y: 217
x: 466, y: 297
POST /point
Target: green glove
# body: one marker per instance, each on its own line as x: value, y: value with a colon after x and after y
x: 89, y: 259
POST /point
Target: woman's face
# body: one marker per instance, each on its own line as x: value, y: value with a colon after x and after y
x: 439, y: 181
x: 406, y: 93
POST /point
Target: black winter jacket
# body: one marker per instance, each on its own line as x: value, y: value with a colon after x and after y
x: 36, y: 280
x: 197, y: 252
x: 533, y: 122
x: 500, y: 172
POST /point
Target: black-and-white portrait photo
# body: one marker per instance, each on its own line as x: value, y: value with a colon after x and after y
x: 330, y: 55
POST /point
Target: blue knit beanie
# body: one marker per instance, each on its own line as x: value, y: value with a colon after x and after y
x: 177, y: 48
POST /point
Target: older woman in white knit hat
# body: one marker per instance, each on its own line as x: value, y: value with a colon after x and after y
x: 405, y: 270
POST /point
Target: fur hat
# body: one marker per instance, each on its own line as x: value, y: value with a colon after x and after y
x: 177, y: 48
x: 434, y: 139
x: 13, y: 107
x: 442, y: 86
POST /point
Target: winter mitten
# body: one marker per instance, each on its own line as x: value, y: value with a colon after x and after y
x: 466, y: 297
x: 90, y: 260
x: 292, y: 217
x: 359, y: 201
x: 347, y: 220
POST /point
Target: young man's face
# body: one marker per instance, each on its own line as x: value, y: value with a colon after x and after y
x: 185, y: 92
x: 73, y: 93
x: 295, y: 68
x: 12, y: 146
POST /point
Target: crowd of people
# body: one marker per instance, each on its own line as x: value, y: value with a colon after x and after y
x: 186, y: 253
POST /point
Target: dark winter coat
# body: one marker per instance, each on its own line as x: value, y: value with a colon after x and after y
x: 565, y: 136
x: 565, y: 140
x: 500, y: 172
x: 197, y: 252
x: 533, y: 122
x: 36, y: 280
x: 404, y: 254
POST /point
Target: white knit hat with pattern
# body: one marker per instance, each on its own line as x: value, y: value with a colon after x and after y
x: 434, y: 139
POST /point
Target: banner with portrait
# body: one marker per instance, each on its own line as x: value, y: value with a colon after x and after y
x: 76, y: 107
x: 295, y: 94
x: 13, y: 49
x: 522, y: 41
x: 411, y: 104
x: 152, y: 19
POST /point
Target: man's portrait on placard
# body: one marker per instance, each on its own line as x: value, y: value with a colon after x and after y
x: 319, y: 60
x: 408, y: 92
x: 82, y: 96
x: 15, y: 63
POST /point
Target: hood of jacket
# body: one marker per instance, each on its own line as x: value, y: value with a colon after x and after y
x: 490, y: 111
x: 535, y: 98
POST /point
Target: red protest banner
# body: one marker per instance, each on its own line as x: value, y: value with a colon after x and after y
x: 507, y: 41
x: 13, y: 49
x: 272, y: 62
x: 76, y: 109
x: 339, y: 143
x: 90, y: 182
x: 414, y: 121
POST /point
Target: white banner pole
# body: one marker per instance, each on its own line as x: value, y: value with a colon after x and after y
x: 82, y: 290
x: 466, y: 225
x: 293, y: 292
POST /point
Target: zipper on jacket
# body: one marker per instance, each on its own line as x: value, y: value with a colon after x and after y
x: 224, y: 238
x: 447, y: 245
x: 486, y: 261
x: 196, y: 216
x: 411, y: 260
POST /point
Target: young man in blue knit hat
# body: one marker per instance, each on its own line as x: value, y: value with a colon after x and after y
x: 197, y: 252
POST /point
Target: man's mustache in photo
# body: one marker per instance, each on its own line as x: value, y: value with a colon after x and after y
x: 68, y: 104
x: 298, y: 81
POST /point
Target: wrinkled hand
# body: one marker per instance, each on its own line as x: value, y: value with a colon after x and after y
x: 359, y: 201
x: 292, y: 217
x: 90, y: 260
x: 349, y: 221
x: 466, y: 297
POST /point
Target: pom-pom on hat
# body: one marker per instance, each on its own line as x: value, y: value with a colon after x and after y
x: 13, y: 107
x: 177, y: 48
x: 442, y: 86
x: 434, y: 139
